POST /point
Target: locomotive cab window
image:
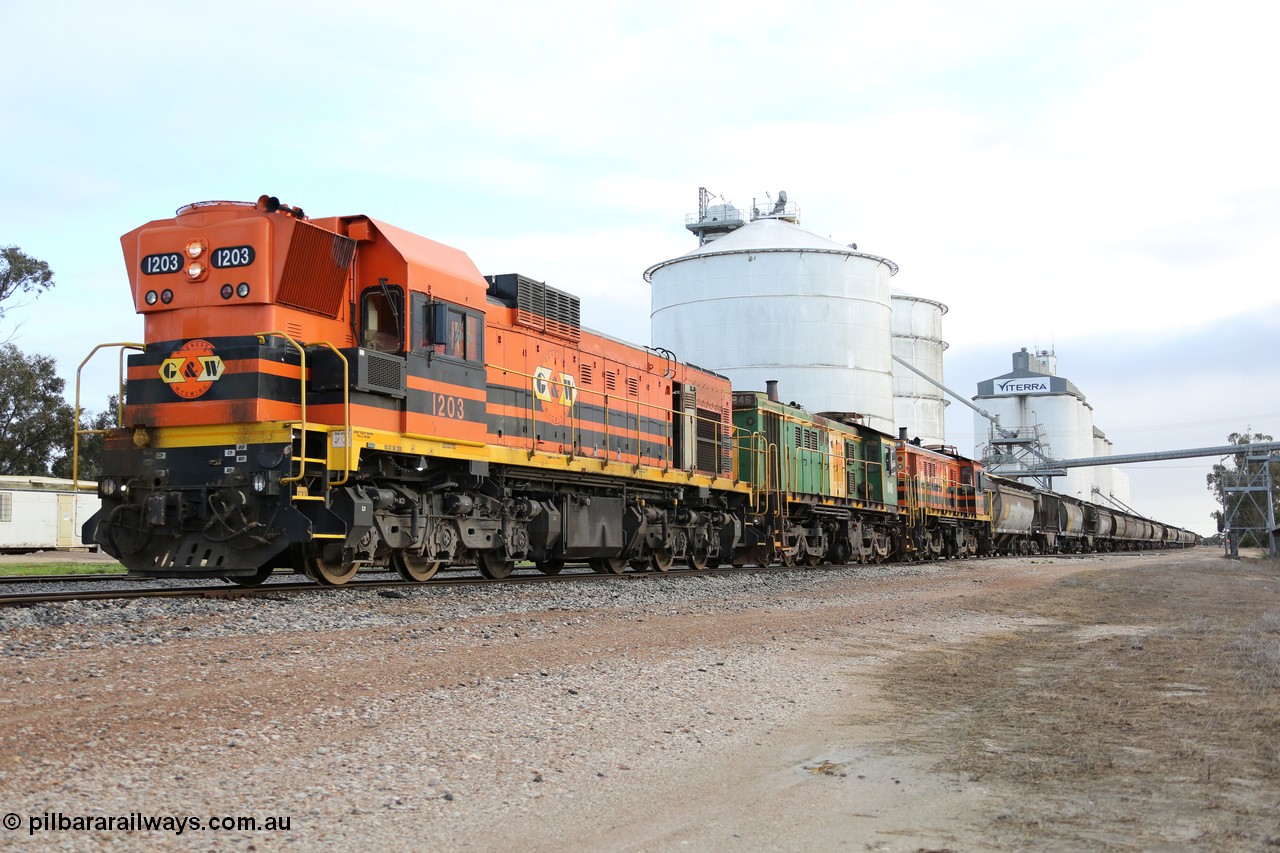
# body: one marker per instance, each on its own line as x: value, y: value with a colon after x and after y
x: 381, y: 310
x: 448, y: 330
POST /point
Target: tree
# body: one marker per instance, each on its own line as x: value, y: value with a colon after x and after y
x: 1245, y: 509
x: 35, y: 421
x: 21, y: 273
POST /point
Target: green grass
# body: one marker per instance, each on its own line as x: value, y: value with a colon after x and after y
x: 13, y: 569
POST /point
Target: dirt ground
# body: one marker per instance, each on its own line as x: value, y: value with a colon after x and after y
x: 1139, y: 709
x: 1130, y: 702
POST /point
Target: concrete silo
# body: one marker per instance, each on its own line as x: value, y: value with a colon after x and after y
x: 1046, y: 408
x: 769, y: 300
x: 918, y: 405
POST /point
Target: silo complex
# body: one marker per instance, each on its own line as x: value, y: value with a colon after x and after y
x: 1036, y: 402
x: 769, y: 300
x: 918, y: 405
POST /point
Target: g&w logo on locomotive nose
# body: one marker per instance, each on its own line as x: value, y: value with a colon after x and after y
x: 192, y: 369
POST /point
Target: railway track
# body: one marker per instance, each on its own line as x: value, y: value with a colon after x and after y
x: 143, y: 588
x: 292, y: 587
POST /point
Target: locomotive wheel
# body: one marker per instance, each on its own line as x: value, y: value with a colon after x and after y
x: 248, y: 581
x: 787, y: 559
x: 331, y: 574
x: 697, y: 560
x: 413, y: 567
x: 549, y: 567
x: 813, y: 559
x: 494, y: 567
x: 608, y: 565
x: 661, y: 560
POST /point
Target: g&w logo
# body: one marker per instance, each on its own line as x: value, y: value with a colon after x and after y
x: 192, y: 369
x: 556, y: 388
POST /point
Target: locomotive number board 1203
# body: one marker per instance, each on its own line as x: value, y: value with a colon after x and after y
x: 232, y: 256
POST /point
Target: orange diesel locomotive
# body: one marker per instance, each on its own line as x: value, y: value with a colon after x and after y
x: 326, y: 394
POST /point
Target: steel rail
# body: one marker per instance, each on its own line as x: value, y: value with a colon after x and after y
x: 529, y: 578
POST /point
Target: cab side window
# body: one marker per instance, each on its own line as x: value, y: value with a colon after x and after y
x: 455, y: 338
x: 381, y: 311
x: 449, y: 330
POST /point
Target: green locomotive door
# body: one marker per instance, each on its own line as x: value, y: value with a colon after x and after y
x: 882, y: 485
x: 810, y: 461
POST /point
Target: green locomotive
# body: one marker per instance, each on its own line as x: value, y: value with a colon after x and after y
x: 825, y: 486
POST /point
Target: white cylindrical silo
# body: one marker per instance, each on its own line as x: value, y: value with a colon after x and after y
x: 1120, y: 485
x: 773, y: 301
x: 1066, y: 421
x: 918, y: 405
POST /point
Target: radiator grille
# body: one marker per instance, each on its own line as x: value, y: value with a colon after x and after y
x: 384, y: 372
x: 708, y: 440
x: 547, y: 309
x: 381, y: 373
x: 315, y: 270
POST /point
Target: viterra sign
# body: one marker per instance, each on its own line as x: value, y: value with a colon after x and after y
x: 1022, y: 385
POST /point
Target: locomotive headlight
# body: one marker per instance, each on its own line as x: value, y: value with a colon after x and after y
x: 151, y: 297
x: 195, y: 249
x: 258, y: 482
x: 196, y: 271
x: 107, y: 487
x: 243, y: 289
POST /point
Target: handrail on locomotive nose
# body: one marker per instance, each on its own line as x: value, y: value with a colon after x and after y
x: 76, y: 431
x: 346, y: 404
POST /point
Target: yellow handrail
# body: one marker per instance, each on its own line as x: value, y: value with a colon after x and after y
x: 346, y: 412
x: 302, y: 398
x: 606, y: 399
x: 76, y: 431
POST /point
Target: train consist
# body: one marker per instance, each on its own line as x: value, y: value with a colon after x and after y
x: 331, y: 394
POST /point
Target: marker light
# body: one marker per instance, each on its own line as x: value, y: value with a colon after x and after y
x: 167, y: 296
x: 243, y: 290
x: 151, y: 297
x: 226, y: 291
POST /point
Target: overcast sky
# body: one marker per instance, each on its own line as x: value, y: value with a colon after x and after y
x: 1098, y: 178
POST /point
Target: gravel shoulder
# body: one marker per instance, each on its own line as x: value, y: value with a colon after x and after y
x: 788, y: 711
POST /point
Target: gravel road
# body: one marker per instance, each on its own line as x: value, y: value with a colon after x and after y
x: 651, y: 713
